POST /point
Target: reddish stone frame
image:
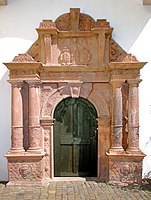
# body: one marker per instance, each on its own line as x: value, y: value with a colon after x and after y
x: 75, y: 56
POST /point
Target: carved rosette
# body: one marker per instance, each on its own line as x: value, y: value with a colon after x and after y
x: 25, y: 171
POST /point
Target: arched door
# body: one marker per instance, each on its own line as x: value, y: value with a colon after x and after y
x: 75, y: 138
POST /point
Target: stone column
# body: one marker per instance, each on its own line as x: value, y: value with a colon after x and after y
x: 116, y: 127
x: 17, y: 117
x: 34, y: 117
x: 133, y: 116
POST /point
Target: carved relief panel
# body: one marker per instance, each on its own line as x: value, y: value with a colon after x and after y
x: 77, y: 51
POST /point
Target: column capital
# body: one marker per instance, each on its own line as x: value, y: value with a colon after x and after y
x: 46, y: 122
x: 134, y: 82
x: 16, y: 83
x: 117, y: 83
x: 34, y: 83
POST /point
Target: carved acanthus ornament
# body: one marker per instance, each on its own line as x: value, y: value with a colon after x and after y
x: 115, y: 51
x: 47, y: 24
x: 23, y: 58
x: 127, y: 58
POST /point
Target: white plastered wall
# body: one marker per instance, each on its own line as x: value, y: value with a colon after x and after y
x: 132, y: 30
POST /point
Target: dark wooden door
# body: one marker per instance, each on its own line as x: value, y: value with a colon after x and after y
x: 75, y: 138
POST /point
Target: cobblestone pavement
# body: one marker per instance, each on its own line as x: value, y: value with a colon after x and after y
x: 74, y: 190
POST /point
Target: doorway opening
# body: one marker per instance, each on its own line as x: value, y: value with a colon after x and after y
x: 75, y: 138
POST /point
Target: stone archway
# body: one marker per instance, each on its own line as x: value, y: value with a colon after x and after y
x: 75, y: 138
x: 74, y: 57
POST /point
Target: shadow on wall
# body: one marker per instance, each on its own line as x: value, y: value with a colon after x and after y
x: 147, y: 160
x: 5, y: 123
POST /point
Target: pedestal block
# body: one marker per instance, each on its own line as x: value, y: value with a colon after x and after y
x: 26, y: 170
x: 125, y: 169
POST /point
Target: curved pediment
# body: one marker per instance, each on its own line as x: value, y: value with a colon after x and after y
x: 74, y: 21
x: 76, y: 42
x: 75, y: 39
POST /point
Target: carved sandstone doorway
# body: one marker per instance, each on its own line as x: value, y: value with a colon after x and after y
x: 75, y: 58
x: 75, y: 138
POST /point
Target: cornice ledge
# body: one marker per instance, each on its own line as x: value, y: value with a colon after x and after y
x: 129, y: 66
x: 23, y: 65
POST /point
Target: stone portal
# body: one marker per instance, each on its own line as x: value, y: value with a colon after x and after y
x: 75, y: 57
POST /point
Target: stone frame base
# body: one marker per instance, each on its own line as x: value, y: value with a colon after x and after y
x: 125, y: 169
x: 26, y: 170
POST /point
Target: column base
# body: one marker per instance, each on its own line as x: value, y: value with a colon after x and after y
x: 134, y: 150
x: 34, y: 150
x: 116, y: 150
x: 16, y: 151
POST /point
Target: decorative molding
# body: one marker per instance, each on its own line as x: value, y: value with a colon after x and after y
x: 75, y: 89
x: 3, y: 2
